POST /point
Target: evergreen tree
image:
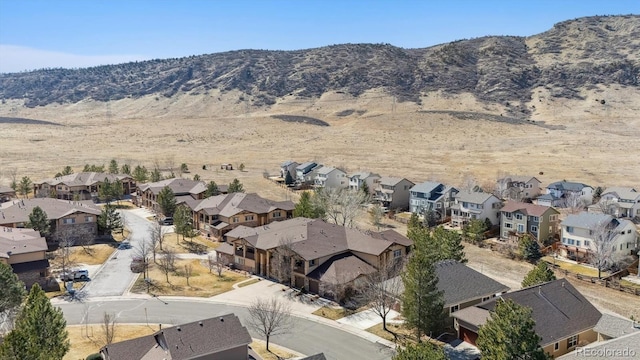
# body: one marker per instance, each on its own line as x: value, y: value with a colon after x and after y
x: 305, y: 207
x: 510, y: 334
x: 184, y: 168
x: 67, y: 170
x: 365, y: 188
x: 420, y: 351
x: 38, y: 220
x: 538, y: 275
x: 529, y: 248
x: 140, y: 174
x: 183, y: 221
x: 167, y: 201
x: 422, y: 302
x: 125, y: 169
x: 12, y: 292
x: 105, y: 192
x: 113, y: 166
x: 473, y: 231
x: 449, y: 244
x: 117, y: 190
x: 40, y: 331
x: 597, y: 194
x: 235, y: 186
x: 87, y: 168
x: 212, y: 189
x: 109, y: 220
x: 196, y: 177
x: 288, y: 179
x: 414, y: 226
x: 156, y: 175
x: 25, y: 185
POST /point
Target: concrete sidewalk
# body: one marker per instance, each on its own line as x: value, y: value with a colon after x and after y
x: 366, y: 319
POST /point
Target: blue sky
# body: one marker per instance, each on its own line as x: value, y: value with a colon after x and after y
x: 36, y: 33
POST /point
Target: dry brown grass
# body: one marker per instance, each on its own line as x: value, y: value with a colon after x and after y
x: 404, y: 334
x: 91, y: 255
x: 198, y: 244
x: 574, y: 268
x: 275, y: 352
x: 201, y: 283
x: 119, y: 236
x: 88, y: 340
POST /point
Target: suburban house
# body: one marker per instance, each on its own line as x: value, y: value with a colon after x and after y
x: 623, y: 347
x: 356, y: 181
x: 312, y: 254
x: 25, y: 250
x: 462, y: 286
x: 69, y: 219
x: 614, y: 326
x: 619, y: 202
x: 304, y: 172
x: 518, y: 218
x: 431, y: 196
x: 331, y: 178
x: 6, y: 194
x: 218, y: 338
x: 393, y: 193
x: 563, y: 191
x: 288, y: 166
x: 518, y: 187
x: 582, y: 232
x: 183, y: 189
x: 564, y: 318
x: 81, y: 186
x: 217, y: 215
x: 474, y: 205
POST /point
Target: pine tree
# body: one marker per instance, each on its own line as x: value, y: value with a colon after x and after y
x: 235, y: 187
x: 113, y: 166
x: 140, y: 174
x: 125, y: 169
x: 183, y: 221
x: 365, y: 188
x: 538, y: 275
x: 12, y: 292
x: 449, y: 244
x: 421, y: 351
x: 167, y: 201
x: 67, y: 170
x: 156, y: 175
x: 40, y: 331
x: 414, y: 226
x: 510, y: 334
x: 24, y: 187
x: 422, y: 302
x: 105, y: 192
x: 304, y: 207
x: 212, y: 189
x: 529, y: 248
x: 288, y: 179
x: 38, y: 220
x: 109, y: 220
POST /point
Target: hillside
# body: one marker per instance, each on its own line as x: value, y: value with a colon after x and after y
x: 573, y: 56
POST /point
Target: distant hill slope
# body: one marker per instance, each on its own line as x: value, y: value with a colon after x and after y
x: 573, y: 55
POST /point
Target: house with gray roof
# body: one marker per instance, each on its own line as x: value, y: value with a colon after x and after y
x: 518, y: 219
x: 81, y: 186
x: 217, y: 215
x: 289, y: 167
x: 305, y: 172
x: 564, y: 318
x: 358, y: 179
x: 6, y: 194
x: 621, y: 348
x: 220, y: 337
x: 76, y: 219
x: 614, y: 326
x: 313, y: 254
x: 147, y: 194
x: 470, y: 205
x: 582, y: 233
x: 393, y: 192
x: 331, y: 178
x: 514, y: 187
x: 25, y: 250
x: 431, y: 196
x: 566, y: 190
x: 618, y: 202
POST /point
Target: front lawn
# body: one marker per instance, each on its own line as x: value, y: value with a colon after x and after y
x: 574, y: 268
x: 87, y: 340
x: 196, y: 245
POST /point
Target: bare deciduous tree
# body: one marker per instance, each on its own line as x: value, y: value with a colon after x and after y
x: 282, y: 261
x: 188, y: 271
x: 144, y: 251
x: 382, y: 289
x: 469, y: 183
x: 63, y: 254
x: 108, y: 328
x: 156, y: 236
x: 342, y: 206
x: 215, y: 262
x: 603, y: 246
x: 574, y: 203
x: 270, y: 317
x: 167, y: 262
x: 376, y: 214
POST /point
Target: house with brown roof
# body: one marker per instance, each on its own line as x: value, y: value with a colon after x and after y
x: 81, y: 186
x: 25, y: 250
x: 217, y: 215
x: 515, y: 187
x: 222, y: 337
x: 6, y: 194
x: 318, y: 254
x: 518, y: 218
x: 564, y: 318
x: 68, y: 218
x: 184, y: 190
x: 393, y: 193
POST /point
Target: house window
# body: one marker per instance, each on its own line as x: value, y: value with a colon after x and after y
x: 534, y: 229
x: 508, y: 225
x: 577, y: 242
x: 553, y: 217
x: 572, y: 341
x: 439, y: 205
x: 507, y: 216
x: 397, y: 253
x: 535, y: 219
x: 88, y: 219
x: 586, y: 243
x: 276, y: 214
x: 556, y: 346
x: 520, y: 228
x: 570, y: 229
x: 69, y: 221
x: 519, y: 216
x: 312, y: 263
x: 235, y: 219
x: 248, y: 218
x: 454, y: 308
x: 485, y: 298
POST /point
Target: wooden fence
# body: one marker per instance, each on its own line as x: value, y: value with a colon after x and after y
x: 612, y: 281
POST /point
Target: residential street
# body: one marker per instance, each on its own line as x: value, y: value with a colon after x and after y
x: 115, y: 276
x: 306, y: 336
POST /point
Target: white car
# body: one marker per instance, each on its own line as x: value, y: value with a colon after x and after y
x: 75, y: 275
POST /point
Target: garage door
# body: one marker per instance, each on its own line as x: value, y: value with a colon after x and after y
x: 468, y: 336
x: 314, y: 287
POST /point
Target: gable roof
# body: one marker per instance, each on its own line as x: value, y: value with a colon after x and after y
x: 615, y: 326
x: 625, y: 193
x: 585, y: 220
x: 558, y: 309
x: 474, y: 197
x: 186, y: 341
x: 392, y: 181
x: 6, y: 190
x: 231, y: 204
x: 306, y: 165
x: 85, y: 179
x: 607, y: 350
x: 426, y: 187
x: 548, y: 197
x: 17, y: 211
x: 362, y: 175
x: 327, y: 170
x: 461, y: 283
x: 15, y: 241
x: 341, y: 269
x: 518, y: 178
x: 567, y: 185
x: 526, y: 208
x: 177, y: 185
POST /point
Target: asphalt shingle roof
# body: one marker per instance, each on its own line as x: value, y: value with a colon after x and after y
x: 473, y: 197
x: 177, y: 185
x: 20, y: 241
x: 461, y: 283
x: 16, y: 211
x: 391, y: 181
x: 624, y: 347
x: 623, y: 192
x: 526, y: 208
x: 425, y: 187
x: 585, y: 220
x: 615, y: 326
x: 235, y: 203
x: 341, y: 269
x: 567, y: 185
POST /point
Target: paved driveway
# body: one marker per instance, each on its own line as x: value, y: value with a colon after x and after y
x: 115, y: 276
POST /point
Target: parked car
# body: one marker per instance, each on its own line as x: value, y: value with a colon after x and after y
x: 166, y: 221
x: 74, y: 275
x: 124, y: 245
x: 137, y: 265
